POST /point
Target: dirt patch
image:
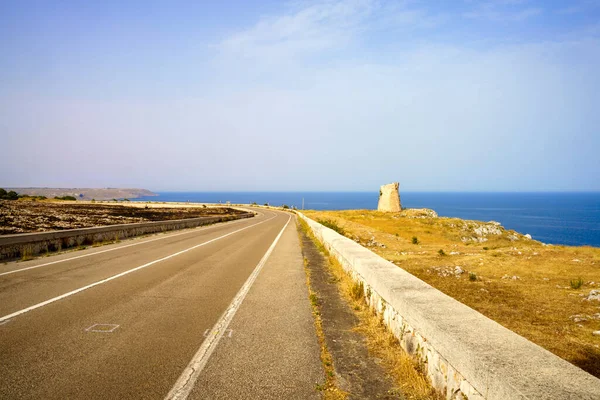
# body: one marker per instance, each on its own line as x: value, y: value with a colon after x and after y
x: 357, y: 373
x: 34, y: 216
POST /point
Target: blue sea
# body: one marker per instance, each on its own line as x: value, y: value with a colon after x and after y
x: 558, y: 218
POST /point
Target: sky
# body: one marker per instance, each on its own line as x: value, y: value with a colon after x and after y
x: 494, y: 95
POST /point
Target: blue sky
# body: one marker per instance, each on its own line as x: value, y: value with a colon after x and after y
x: 500, y: 95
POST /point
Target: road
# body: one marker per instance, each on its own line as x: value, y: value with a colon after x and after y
x: 213, y: 312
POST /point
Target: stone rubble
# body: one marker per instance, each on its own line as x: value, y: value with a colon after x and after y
x: 594, y: 295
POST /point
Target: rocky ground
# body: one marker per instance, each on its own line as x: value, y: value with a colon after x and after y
x: 38, y: 216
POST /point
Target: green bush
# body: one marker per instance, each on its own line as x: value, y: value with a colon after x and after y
x: 285, y: 206
x: 441, y: 252
x: 472, y: 276
x: 66, y: 198
x: 415, y: 240
x: 576, y: 283
x: 332, y: 225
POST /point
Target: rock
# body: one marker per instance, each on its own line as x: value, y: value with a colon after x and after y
x: 579, y: 318
x: 512, y: 237
x: 488, y: 229
x: 389, y: 198
x: 596, y: 333
x: 575, y: 260
x: 594, y: 295
x: 527, y: 236
x: 458, y: 270
x: 419, y: 213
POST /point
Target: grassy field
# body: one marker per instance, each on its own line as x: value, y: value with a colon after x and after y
x: 538, y: 291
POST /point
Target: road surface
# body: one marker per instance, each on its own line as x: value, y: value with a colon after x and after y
x: 213, y: 312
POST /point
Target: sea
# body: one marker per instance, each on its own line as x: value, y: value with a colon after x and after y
x: 555, y: 218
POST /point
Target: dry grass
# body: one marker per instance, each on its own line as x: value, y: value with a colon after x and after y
x: 540, y: 303
x: 330, y: 388
x: 381, y: 343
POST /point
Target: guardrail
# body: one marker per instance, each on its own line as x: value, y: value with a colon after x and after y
x: 30, y: 244
x: 464, y: 353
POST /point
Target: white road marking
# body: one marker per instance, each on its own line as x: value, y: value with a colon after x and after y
x: 229, y: 332
x: 102, y: 328
x: 184, y: 385
x: 105, y: 251
x: 5, y: 322
x: 62, y: 296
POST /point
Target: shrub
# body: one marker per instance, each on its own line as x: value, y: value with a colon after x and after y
x: 472, y: 276
x: 2, y: 193
x: 486, y: 248
x: 441, y: 252
x: 357, y: 291
x: 332, y: 225
x: 285, y: 206
x: 576, y: 283
x: 415, y: 240
x: 12, y: 195
x: 67, y: 198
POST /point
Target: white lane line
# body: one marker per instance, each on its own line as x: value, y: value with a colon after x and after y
x: 62, y: 296
x: 184, y: 385
x: 106, y: 251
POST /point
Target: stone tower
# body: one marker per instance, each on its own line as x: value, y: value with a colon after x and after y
x: 389, y: 198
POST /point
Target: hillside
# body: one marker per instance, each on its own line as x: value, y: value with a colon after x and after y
x: 85, y: 193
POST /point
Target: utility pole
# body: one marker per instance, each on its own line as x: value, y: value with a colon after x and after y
x: 303, y: 203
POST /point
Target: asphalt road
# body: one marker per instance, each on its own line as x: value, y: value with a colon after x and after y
x: 213, y: 312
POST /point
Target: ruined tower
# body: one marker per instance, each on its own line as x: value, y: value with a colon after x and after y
x: 389, y: 198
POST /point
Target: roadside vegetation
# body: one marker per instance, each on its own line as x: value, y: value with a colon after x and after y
x: 548, y: 294
x: 381, y: 343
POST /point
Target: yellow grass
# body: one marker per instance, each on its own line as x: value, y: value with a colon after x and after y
x: 539, y: 303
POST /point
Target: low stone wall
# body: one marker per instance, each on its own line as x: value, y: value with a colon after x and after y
x: 31, y: 244
x: 465, y: 354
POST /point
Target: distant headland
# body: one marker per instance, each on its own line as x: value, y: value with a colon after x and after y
x: 85, y: 193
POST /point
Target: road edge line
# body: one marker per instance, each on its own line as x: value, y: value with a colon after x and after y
x: 186, y: 382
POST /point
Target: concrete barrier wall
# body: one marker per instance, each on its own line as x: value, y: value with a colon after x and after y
x: 465, y: 354
x: 30, y: 244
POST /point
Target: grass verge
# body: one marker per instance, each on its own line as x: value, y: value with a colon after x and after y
x: 381, y: 343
